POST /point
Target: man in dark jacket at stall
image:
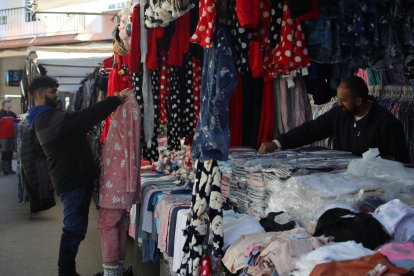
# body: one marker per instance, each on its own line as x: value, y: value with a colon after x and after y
x: 62, y: 136
x: 356, y: 124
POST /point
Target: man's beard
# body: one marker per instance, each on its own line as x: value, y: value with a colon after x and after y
x: 351, y: 111
x: 51, y: 102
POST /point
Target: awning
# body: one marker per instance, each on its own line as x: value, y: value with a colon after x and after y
x: 70, y: 64
x: 43, y: 5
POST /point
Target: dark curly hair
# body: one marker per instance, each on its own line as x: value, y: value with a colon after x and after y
x: 42, y: 82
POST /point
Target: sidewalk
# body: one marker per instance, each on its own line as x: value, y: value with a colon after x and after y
x: 30, y: 246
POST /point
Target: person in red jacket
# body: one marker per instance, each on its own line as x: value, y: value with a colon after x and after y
x: 7, y: 136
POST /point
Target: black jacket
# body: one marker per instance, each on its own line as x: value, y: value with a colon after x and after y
x: 62, y: 136
x: 35, y: 172
x: 378, y: 129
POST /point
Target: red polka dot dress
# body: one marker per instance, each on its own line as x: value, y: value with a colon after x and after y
x: 290, y: 52
x: 205, y: 28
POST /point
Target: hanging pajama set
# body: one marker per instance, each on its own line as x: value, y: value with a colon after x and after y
x: 120, y: 179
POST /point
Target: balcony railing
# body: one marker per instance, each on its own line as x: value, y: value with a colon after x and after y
x: 21, y: 23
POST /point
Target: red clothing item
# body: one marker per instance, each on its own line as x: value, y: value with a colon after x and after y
x: 107, y: 64
x: 205, y: 28
x: 291, y: 52
x: 255, y: 59
x: 262, y: 33
x: 248, y: 13
x: 267, y: 117
x: 116, y: 83
x: 7, y: 128
x: 236, y: 114
x: 180, y: 41
x: 154, y: 34
x: 135, y: 48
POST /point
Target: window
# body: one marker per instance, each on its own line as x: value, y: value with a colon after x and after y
x: 3, y: 19
x: 29, y: 16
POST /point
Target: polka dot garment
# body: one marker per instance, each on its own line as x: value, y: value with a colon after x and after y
x: 164, y: 84
x: 197, y: 74
x: 276, y: 13
x: 261, y: 34
x: 188, y: 100
x: 290, y: 53
x: 205, y: 27
x: 174, y: 121
x: 137, y: 79
x: 240, y: 39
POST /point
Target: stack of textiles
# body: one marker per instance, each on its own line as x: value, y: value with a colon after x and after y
x: 162, y: 199
x: 166, y: 218
x: 248, y: 186
x: 226, y: 170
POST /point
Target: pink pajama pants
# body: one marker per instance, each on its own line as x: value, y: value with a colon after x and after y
x: 113, y: 232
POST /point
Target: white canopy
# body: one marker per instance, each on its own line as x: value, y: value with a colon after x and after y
x: 70, y: 64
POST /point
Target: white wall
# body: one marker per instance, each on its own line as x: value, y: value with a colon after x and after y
x: 9, y: 4
x: 11, y: 63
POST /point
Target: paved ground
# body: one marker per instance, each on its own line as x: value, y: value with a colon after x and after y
x: 30, y: 246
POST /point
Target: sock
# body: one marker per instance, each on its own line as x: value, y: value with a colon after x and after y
x: 112, y: 270
x: 121, y: 265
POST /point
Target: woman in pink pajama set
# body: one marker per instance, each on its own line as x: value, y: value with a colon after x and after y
x: 119, y: 184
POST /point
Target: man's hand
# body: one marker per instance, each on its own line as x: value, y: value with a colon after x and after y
x: 123, y: 94
x: 267, y: 147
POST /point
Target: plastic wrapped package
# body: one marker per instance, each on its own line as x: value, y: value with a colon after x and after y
x: 372, y: 165
x: 306, y: 197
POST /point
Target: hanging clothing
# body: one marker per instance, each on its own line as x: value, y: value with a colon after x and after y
x: 207, y: 22
x: 118, y: 80
x: 120, y: 180
x: 212, y: 136
x: 236, y: 115
x: 134, y: 55
x: 206, y: 205
x: 150, y: 148
x: 267, y: 116
x: 197, y: 75
x: 291, y: 52
x: 248, y: 13
x: 180, y: 41
x: 164, y: 88
x: 154, y: 35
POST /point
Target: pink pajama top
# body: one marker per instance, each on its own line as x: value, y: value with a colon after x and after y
x: 120, y: 183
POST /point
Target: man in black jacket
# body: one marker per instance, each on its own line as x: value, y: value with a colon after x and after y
x: 62, y: 136
x: 356, y: 124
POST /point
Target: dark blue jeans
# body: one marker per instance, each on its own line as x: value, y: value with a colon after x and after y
x: 75, y: 223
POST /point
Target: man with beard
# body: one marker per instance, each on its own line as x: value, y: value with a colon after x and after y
x: 356, y: 124
x: 62, y: 136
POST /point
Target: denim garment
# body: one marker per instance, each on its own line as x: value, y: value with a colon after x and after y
x: 319, y: 34
x: 75, y: 223
x: 212, y: 135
